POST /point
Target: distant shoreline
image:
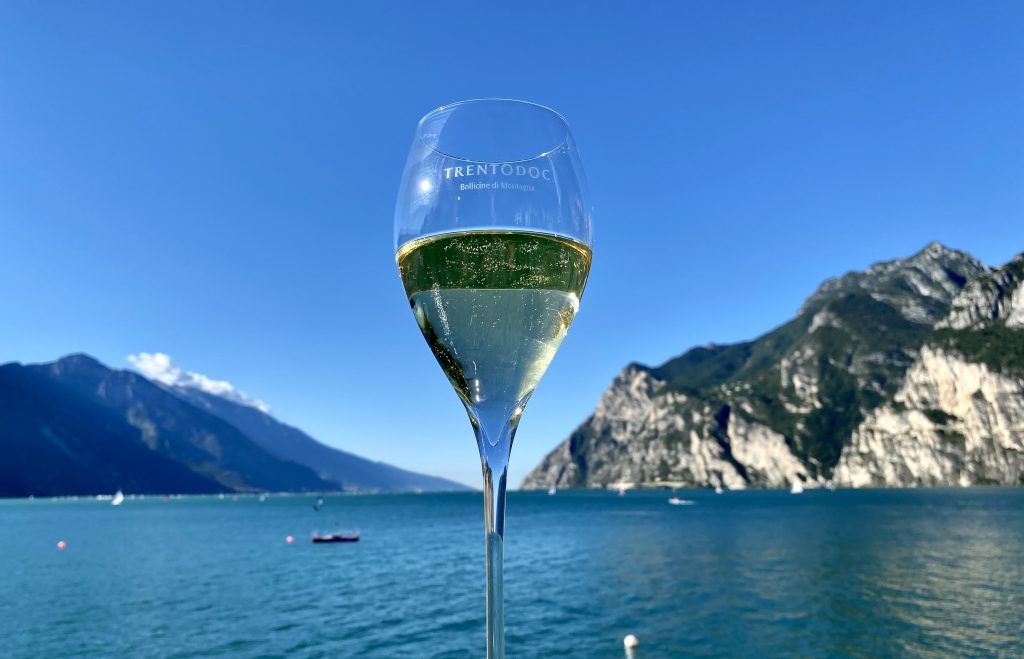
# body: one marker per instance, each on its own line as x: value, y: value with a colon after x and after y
x: 637, y: 488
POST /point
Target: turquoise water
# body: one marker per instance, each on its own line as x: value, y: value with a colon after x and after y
x: 845, y: 573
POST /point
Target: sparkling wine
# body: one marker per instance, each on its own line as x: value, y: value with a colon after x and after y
x: 494, y: 306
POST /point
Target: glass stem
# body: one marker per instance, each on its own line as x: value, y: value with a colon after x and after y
x: 494, y: 455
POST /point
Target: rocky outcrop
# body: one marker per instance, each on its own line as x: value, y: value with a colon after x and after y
x: 988, y: 298
x: 642, y: 435
x: 921, y: 287
x: 910, y: 373
x: 952, y: 422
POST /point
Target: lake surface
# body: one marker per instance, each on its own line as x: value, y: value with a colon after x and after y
x: 844, y: 573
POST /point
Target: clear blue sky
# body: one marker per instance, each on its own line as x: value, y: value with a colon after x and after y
x: 216, y: 180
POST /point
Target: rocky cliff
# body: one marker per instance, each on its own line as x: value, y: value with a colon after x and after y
x: 909, y: 373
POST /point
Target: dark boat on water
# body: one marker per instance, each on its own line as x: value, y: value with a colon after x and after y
x: 336, y: 537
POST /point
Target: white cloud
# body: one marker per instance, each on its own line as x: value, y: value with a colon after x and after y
x: 158, y: 366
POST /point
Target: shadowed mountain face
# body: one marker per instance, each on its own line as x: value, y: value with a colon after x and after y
x: 290, y: 443
x: 55, y: 441
x: 788, y: 405
x: 158, y: 422
x: 77, y: 427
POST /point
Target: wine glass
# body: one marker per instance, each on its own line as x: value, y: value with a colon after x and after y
x: 493, y: 242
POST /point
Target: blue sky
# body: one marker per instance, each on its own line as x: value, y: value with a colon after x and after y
x: 216, y: 181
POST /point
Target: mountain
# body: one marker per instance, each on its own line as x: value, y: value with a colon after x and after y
x: 289, y: 443
x: 159, y: 422
x: 958, y: 417
x: 908, y: 373
x: 75, y: 426
x: 54, y: 441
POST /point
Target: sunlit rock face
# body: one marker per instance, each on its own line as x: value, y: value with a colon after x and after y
x: 985, y: 300
x: 953, y: 422
x: 909, y: 373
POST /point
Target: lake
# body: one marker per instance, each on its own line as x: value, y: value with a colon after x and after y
x: 864, y: 573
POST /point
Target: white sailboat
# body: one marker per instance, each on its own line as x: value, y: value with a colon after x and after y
x: 118, y: 498
x: 718, y: 489
x: 552, y: 491
x: 797, y: 488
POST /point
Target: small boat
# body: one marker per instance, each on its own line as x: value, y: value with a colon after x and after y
x: 336, y: 537
x: 118, y: 498
x: 676, y: 501
x: 797, y: 488
x: 718, y: 489
x: 552, y: 491
x: 318, y: 504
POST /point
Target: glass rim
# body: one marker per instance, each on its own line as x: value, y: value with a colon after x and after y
x: 567, y: 131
